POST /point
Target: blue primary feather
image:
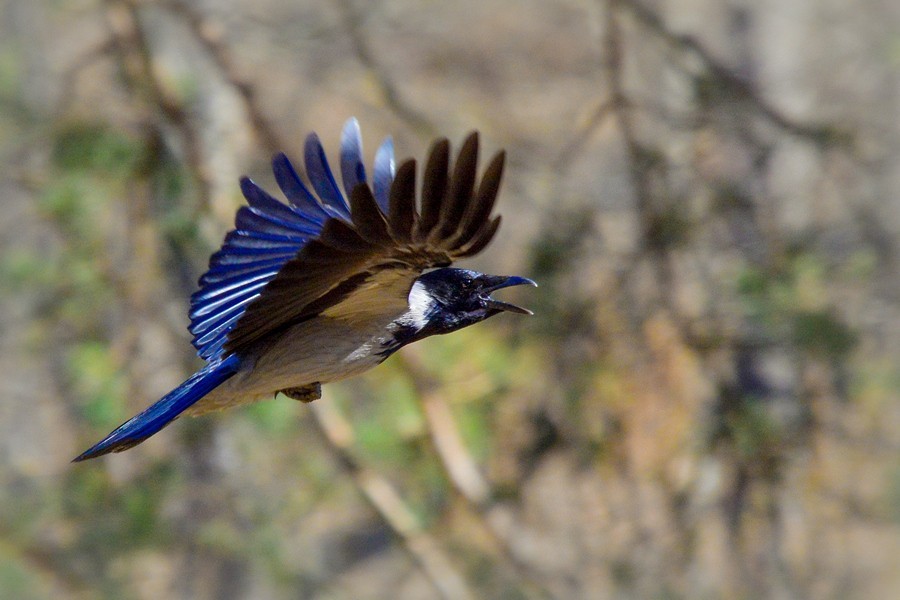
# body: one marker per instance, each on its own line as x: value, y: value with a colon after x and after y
x: 167, y: 409
x: 384, y: 173
x: 353, y: 171
x: 268, y: 233
x: 296, y: 192
x: 234, y: 271
x: 322, y: 179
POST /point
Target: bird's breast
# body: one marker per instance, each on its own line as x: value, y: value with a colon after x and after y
x: 320, y: 350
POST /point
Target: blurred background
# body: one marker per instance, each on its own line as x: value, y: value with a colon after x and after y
x: 705, y: 404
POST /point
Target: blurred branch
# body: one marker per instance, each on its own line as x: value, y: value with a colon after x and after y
x: 209, y: 35
x: 620, y: 106
x: 459, y: 464
x: 69, y: 76
x: 598, y: 116
x: 386, y: 86
x: 338, y: 436
x: 136, y: 60
x: 817, y: 133
x: 462, y: 469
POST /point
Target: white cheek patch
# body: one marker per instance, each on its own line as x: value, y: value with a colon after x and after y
x: 420, y: 304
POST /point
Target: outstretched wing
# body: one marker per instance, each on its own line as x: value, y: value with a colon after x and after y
x: 452, y: 222
x: 269, y: 233
x: 286, y: 263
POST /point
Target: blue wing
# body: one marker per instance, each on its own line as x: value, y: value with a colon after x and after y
x: 268, y: 233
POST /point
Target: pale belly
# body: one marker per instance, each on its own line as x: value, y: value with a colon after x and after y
x: 322, y: 350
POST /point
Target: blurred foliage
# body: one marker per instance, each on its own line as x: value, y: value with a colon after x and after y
x: 83, y: 148
x: 792, y: 299
x: 704, y: 404
x: 98, y: 383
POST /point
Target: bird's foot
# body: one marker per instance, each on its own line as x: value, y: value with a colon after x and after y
x: 306, y: 393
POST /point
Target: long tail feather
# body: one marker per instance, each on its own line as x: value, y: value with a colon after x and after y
x: 142, y: 426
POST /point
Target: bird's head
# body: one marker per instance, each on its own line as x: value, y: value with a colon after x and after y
x: 445, y: 300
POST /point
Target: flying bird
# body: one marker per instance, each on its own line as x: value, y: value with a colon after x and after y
x: 322, y: 288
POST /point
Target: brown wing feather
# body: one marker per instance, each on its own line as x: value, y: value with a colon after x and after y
x: 346, y: 257
x: 459, y: 190
x: 482, y: 238
x: 402, y: 203
x: 368, y: 219
x: 479, y: 209
x: 340, y: 236
x: 434, y: 187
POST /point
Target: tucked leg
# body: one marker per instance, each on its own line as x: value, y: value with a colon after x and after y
x: 306, y: 393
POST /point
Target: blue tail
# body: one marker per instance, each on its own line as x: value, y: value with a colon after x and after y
x: 138, y: 428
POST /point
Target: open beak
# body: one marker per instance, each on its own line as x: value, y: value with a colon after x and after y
x: 493, y: 283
